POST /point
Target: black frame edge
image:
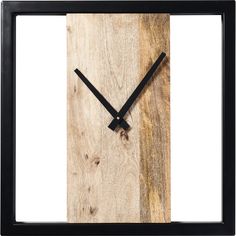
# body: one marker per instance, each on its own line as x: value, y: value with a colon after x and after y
x: 9, y: 11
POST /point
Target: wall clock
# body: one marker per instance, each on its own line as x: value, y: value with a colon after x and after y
x: 124, y: 175
x: 113, y: 119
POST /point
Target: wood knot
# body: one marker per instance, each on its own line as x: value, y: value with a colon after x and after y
x: 68, y: 28
x: 93, y: 210
x: 124, y: 135
x: 96, y: 160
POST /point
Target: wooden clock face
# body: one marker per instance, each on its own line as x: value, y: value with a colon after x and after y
x: 121, y: 175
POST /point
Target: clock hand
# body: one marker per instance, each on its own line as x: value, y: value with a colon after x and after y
x: 104, y: 102
x: 136, y: 92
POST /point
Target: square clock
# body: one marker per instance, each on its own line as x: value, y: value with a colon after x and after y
x: 118, y: 118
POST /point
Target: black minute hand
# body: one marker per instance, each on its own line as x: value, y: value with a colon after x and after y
x: 136, y: 92
x: 100, y: 97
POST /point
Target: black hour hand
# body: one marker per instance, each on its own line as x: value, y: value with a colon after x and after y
x: 102, y: 99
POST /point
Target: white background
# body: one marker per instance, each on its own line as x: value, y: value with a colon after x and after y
x: 41, y: 118
x: 195, y: 118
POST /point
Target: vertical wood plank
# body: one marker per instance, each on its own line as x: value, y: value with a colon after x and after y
x: 155, y: 121
x: 103, y: 166
x: 117, y: 177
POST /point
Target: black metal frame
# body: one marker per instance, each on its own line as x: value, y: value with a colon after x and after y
x: 9, y: 12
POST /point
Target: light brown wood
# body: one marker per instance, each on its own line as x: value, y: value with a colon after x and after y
x: 154, y: 124
x: 118, y: 176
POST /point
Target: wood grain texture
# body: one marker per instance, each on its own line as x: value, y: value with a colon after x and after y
x: 155, y: 122
x: 117, y: 176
